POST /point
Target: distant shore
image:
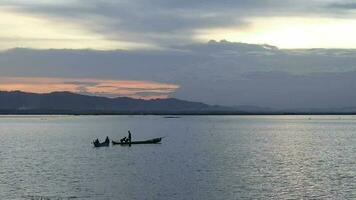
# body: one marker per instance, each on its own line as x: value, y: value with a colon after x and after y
x: 76, y: 113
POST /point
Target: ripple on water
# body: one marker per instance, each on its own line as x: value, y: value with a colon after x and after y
x: 202, y: 157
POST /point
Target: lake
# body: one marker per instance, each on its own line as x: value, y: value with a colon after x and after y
x: 200, y: 157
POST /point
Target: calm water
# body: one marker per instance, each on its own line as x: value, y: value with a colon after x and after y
x: 201, y: 157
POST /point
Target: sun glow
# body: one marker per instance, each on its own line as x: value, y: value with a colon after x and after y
x: 27, y: 31
x: 111, y: 88
x: 290, y: 32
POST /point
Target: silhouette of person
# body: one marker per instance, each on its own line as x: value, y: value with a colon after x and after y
x: 129, y: 137
x: 107, y: 139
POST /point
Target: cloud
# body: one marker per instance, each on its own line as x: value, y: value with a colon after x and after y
x: 110, y: 88
x: 25, y: 30
x: 217, y: 72
x: 162, y: 22
x: 342, y: 6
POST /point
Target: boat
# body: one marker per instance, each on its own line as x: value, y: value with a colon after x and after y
x: 151, y: 141
x: 106, y: 143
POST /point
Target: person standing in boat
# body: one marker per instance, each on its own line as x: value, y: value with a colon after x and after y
x: 129, y: 137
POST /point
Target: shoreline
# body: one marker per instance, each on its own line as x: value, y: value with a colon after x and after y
x: 171, y: 113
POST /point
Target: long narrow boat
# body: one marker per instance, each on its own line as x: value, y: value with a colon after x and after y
x: 152, y: 141
x: 102, y: 144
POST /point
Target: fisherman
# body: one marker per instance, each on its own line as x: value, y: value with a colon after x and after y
x: 129, y: 137
x: 123, y: 140
x: 96, y: 141
x: 107, y: 139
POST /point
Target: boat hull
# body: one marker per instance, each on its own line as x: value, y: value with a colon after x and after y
x: 103, y: 144
x: 152, y: 141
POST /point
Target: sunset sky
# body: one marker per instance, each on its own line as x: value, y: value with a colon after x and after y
x: 145, y: 30
x: 114, y: 88
x: 123, y: 24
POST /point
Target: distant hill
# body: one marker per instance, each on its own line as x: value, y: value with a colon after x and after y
x: 18, y: 102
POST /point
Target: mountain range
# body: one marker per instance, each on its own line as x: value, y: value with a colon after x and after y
x: 18, y: 102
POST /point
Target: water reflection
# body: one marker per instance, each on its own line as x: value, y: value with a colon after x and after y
x: 201, y: 157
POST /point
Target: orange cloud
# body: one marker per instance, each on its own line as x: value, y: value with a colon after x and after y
x: 111, y: 88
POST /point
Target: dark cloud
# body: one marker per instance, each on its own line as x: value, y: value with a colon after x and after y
x: 281, y: 90
x: 163, y: 22
x: 343, y: 6
x: 215, y: 72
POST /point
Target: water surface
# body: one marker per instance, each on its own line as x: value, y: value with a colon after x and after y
x: 201, y: 157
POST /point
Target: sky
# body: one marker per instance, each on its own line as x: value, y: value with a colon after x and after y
x: 273, y: 53
x: 124, y: 24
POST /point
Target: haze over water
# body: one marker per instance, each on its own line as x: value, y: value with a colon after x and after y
x: 201, y: 157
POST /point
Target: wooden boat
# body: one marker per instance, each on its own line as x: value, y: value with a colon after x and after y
x: 101, y: 144
x: 152, y: 141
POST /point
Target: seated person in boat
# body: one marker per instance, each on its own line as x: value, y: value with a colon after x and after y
x: 123, y: 140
